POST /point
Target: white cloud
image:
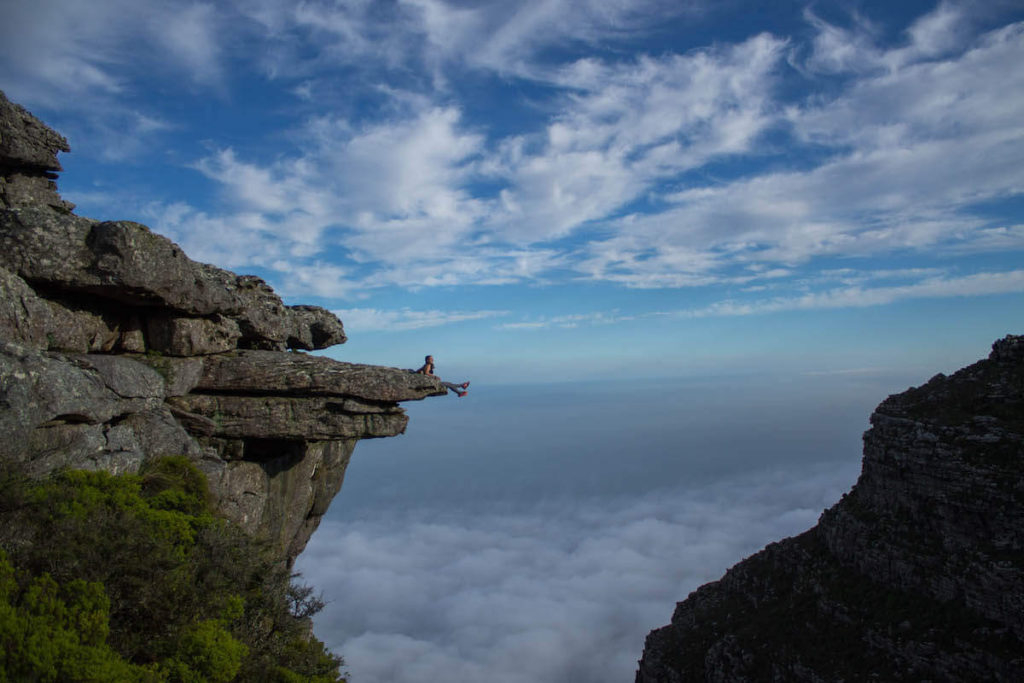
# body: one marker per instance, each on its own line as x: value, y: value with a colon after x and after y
x: 627, y: 126
x: 570, y: 320
x: 548, y: 592
x: 978, y: 284
x: 93, y: 62
x: 617, y: 178
x: 191, y: 35
x: 939, y: 32
x: 295, y: 206
x: 508, y: 37
x: 80, y: 54
x: 443, y: 37
x: 914, y: 150
x: 926, y: 283
x: 375, y: 320
x: 231, y: 241
x: 94, y: 50
x: 835, y: 49
x: 396, y: 187
x: 400, y: 189
x: 317, y: 278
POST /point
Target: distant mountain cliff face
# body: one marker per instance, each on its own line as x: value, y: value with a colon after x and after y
x: 115, y: 347
x: 917, y: 574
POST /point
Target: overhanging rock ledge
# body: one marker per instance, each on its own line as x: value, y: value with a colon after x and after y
x: 115, y: 347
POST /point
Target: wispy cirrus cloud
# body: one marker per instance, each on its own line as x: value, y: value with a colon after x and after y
x: 854, y: 49
x: 375, y: 320
x: 859, y: 289
x: 701, y: 168
x: 912, y: 156
x: 400, y: 193
x: 570, y: 321
x: 625, y: 127
x: 97, y: 54
x: 509, y: 38
x: 978, y: 284
x: 403, y: 193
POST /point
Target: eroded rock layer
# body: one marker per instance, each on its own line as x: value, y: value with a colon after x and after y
x: 917, y: 574
x: 115, y: 347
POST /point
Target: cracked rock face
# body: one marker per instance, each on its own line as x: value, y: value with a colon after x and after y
x: 916, y: 574
x: 115, y: 347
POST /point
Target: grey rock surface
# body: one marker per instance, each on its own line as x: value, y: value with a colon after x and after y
x: 178, y: 336
x: 299, y: 373
x: 27, y: 142
x: 24, y: 317
x: 115, y: 348
x: 293, y: 419
x: 122, y: 270
x: 916, y: 574
x: 47, y: 248
x: 28, y: 160
x: 284, y: 496
x: 61, y: 411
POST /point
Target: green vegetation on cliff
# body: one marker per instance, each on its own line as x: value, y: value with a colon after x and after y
x: 133, y: 578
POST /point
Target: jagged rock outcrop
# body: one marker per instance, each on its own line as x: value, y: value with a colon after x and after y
x: 917, y: 574
x: 115, y: 347
x: 28, y: 159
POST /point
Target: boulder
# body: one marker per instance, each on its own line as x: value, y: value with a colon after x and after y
x: 125, y: 270
x: 25, y: 141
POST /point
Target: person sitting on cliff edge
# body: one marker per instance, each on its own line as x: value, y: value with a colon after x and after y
x: 428, y: 370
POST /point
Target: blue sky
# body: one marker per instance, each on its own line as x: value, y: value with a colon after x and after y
x: 562, y: 189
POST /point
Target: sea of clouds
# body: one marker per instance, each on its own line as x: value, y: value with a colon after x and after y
x: 537, y: 534
x: 545, y: 591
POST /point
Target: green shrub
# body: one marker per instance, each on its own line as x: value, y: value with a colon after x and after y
x: 54, y: 633
x: 136, y: 572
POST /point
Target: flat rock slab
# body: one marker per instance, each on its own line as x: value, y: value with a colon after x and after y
x: 262, y: 372
x: 300, y: 419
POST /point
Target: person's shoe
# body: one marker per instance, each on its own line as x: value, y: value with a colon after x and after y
x: 461, y: 393
x: 465, y: 385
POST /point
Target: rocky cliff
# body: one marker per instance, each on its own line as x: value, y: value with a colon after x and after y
x: 917, y: 574
x: 115, y: 347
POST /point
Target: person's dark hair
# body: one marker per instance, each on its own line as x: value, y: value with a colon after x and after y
x: 426, y: 358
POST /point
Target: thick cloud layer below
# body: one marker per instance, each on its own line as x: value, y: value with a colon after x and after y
x: 547, y: 592
x: 538, y: 533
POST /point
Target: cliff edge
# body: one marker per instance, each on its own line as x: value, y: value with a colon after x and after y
x: 917, y: 574
x: 115, y: 347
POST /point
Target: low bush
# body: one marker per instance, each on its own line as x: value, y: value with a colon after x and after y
x: 134, y: 578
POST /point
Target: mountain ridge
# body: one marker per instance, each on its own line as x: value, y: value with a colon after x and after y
x: 916, y: 574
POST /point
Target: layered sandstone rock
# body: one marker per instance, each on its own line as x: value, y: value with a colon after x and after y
x: 115, y: 347
x: 917, y: 574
